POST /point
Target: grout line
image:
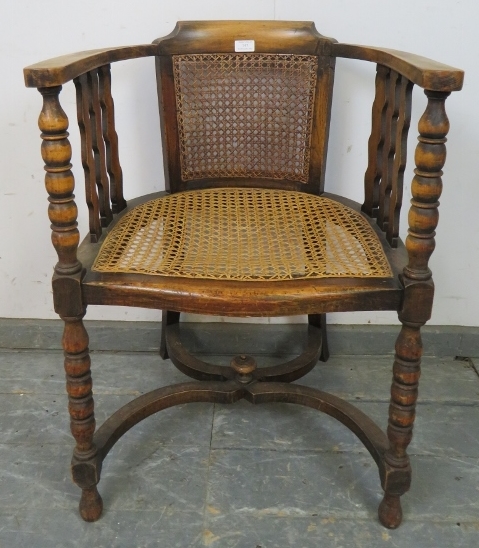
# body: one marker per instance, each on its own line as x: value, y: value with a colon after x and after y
x: 155, y: 446
x: 262, y: 353
x: 360, y: 451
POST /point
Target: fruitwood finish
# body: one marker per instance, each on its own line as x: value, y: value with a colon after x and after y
x: 409, y: 291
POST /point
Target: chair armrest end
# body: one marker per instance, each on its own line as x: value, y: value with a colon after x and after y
x: 424, y: 72
x: 57, y: 71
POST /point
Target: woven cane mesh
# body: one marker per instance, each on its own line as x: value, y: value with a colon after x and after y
x: 245, y: 115
x: 243, y: 234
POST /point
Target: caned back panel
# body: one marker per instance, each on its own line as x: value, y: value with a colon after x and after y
x: 229, y: 118
x: 245, y: 115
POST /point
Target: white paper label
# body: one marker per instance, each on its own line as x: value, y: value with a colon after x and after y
x: 244, y: 45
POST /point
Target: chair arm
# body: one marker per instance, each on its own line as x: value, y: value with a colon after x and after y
x: 424, y: 72
x: 57, y: 71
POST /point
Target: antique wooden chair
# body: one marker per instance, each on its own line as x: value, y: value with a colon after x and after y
x: 244, y: 227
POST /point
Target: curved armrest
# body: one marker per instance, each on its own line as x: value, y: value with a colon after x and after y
x: 424, y: 72
x: 57, y: 71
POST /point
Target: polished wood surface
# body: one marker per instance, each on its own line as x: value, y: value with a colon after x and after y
x: 387, y: 151
x: 99, y: 148
x: 298, y: 38
x: 422, y: 71
x: 59, y: 70
x: 409, y: 291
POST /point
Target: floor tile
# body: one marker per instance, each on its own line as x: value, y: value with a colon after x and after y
x: 281, y: 427
x: 148, y: 477
x: 134, y: 477
x: 288, y: 484
x: 34, y: 418
x: 113, y: 373
x: 63, y: 528
x: 446, y: 430
x: 288, y: 427
x: 32, y: 372
x: 369, y: 378
x: 241, y: 531
x: 443, y: 488
x: 34, y: 475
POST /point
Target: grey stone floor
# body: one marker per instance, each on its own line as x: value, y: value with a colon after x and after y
x: 243, y: 476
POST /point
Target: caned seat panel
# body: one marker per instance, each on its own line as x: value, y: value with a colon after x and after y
x: 243, y: 234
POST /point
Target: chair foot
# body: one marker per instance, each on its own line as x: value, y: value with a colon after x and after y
x: 390, y: 511
x: 91, y: 504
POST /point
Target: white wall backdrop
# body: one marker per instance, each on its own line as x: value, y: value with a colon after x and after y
x: 32, y: 30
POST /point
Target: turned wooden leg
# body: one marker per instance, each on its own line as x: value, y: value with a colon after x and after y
x: 416, y: 308
x: 67, y: 297
x: 86, y: 464
x: 168, y: 317
x: 404, y: 392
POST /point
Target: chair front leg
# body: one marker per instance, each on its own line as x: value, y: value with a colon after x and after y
x: 402, y: 412
x: 417, y: 304
x: 86, y: 464
x: 67, y: 296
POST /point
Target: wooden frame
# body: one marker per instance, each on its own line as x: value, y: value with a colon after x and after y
x: 299, y: 38
x: 409, y: 291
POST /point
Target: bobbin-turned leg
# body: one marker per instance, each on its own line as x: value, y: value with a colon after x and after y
x: 417, y: 303
x: 86, y: 464
x: 67, y: 297
x: 404, y: 391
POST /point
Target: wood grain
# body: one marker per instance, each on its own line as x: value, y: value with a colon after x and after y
x: 422, y: 71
